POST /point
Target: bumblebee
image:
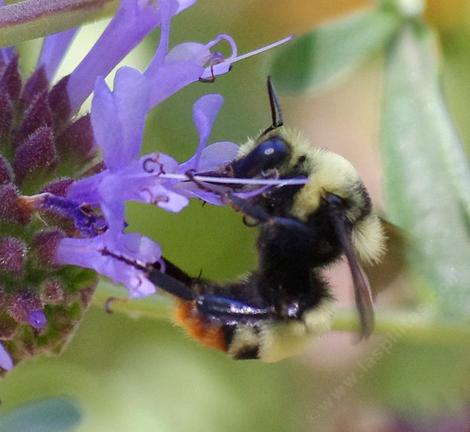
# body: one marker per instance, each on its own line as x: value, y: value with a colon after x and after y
x: 273, y: 311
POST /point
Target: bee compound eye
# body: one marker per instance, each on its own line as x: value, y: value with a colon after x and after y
x: 266, y: 156
x: 334, y: 201
x: 273, y: 151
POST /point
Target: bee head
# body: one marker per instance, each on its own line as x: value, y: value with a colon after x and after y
x: 267, y: 153
x: 332, y: 180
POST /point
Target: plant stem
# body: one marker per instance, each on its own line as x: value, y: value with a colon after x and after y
x: 31, y: 19
x: 414, y: 326
x: 154, y: 307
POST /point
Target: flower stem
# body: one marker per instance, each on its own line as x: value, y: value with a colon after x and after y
x: 413, y: 326
x: 29, y: 19
x: 153, y: 307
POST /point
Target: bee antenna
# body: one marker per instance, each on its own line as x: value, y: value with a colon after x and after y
x: 276, y: 111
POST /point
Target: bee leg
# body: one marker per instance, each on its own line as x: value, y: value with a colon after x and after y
x: 248, y: 209
x: 226, y: 308
x: 259, y: 215
x: 175, y: 272
x: 171, y: 284
x: 190, y: 174
x: 216, y: 306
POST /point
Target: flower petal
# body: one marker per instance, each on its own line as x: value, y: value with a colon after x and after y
x: 37, y: 319
x: 139, y: 247
x: 53, y: 50
x: 189, y: 51
x: 218, y: 154
x: 106, y: 129
x: 206, y: 196
x: 163, y: 44
x: 212, y: 157
x: 138, y: 181
x: 6, y: 53
x: 153, y: 192
x: 184, y: 4
x: 112, y: 202
x: 170, y: 78
x: 183, y: 65
x: 132, y: 22
x: 6, y: 362
x: 112, y: 255
x: 86, y: 190
x: 118, y: 117
x: 205, y: 111
x: 131, y: 95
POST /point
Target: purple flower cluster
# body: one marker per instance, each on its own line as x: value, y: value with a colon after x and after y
x: 118, y: 119
x: 68, y: 205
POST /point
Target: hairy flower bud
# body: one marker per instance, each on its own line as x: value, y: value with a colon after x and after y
x: 6, y: 171
x: 12, y: 255
x: 11, y: 208
x: 36, y: 155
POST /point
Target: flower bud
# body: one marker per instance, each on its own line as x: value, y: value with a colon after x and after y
x: 12, y: 255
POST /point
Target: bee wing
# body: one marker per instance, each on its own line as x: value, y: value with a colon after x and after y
x: 362, y: 291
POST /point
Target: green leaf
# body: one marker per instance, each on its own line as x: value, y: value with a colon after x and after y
x: 48, y: 415
x: 422, y: 160
x: 332, y: 50
x: 30, y: 19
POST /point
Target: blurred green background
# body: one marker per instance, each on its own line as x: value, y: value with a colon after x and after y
x: 145, y: 374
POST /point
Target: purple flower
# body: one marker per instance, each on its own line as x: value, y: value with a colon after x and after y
x: 6, y: 363
x: 68, y: 207
x: 132, y: 22
x: 53, y: 49
x: 37, y: 319
x: 118, y: 119
x: 109, y: 253
x: 128, y: 177
x: 42, y: 148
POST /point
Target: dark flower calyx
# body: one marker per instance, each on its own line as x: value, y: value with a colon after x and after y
x: 6, y: 171
x: 60, y: 104
x: 12, y: 255
x: 26, y: 307
x: 38, y: 114
x: 58, y: 187
x: 11, y: 208
x: 6, y: 116
x: 52, y: 291
x: 10, y: 82
x: 36, y: 155
x: 77, y: 141
x: 36, y: 84
x: 45, y: 246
